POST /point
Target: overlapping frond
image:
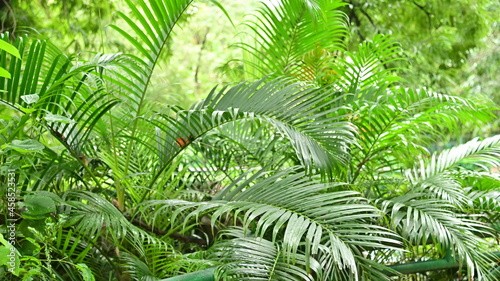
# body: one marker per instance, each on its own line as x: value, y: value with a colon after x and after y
x: 488, y: 201
x: 312, y: 218
x: 66, y: 97
x: 147, y: 29
x: 369, y: 66
x: 137, y: 268
x: 76, y: 249
x: 294, y: 38
x: 292, y: 225
x: 437, y: 207
x: 420, y: 218
x: 481, y: 153
x: 397, y: 123
x: 296, y: 110
x: 93, y: 215
x: 159, y: 262
x: 254, y: 258
x: 236, y: 147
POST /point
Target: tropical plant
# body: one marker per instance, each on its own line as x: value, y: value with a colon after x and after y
x: 435, y: 39
x: 82, y: 21
x: 11, y: 50
x: 317, y: 170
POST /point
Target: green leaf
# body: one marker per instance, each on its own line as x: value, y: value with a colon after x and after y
x: 293, y: 38
x: 9, y: 49
x: 30, y: 99
x: 5, y: 251
x: 28, y: 145
x: 4, y: 73
x: 25, y: 110
x: 216, y: 3
x: 38, y: 205
x: 4, y: 258
x: 86, y: 272
x: 58, y: 118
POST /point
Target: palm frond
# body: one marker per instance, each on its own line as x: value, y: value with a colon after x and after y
x: 476, y: 152
x: 66, y: 98
x: 93, y: 215
x: 76, y: 249
x: 368, y: 66
x: 138, y: 269
x: 486, y: 202
x: 333, y: 224
x: 159, y: 262
x: 224, y: 153
x: 294, y: 38
x: 254, y: 258
x: 320, y: 141
x: 148, y: 29
x: 420, y: 219
x: 396, y: 124
x: 186, y: 263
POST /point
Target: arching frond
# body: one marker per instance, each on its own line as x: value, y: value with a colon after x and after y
x: 396, y: 124
x: 367, y: 67
x: 335, y: 225
x: 295, y: 110
x: 147, y: 28
x: 476, y: 152
x: 253, y: 258
x: 294, y: 38
x: 420, y: 219
x: 95, y: 216
x: 138, y: 269
x: 51, y: 87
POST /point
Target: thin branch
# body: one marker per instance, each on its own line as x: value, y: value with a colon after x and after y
x: 429, y: 15
x: 10, y: 11
x: 368, y: 17
x: 355, y: 17
x: 203, y: 42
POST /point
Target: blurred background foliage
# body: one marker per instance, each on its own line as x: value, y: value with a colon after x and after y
x: 451, y: 46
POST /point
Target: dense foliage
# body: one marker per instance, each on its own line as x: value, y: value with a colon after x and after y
x: 322, y: 165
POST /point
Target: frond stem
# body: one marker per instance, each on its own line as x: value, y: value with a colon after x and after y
x: 120, y: 191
